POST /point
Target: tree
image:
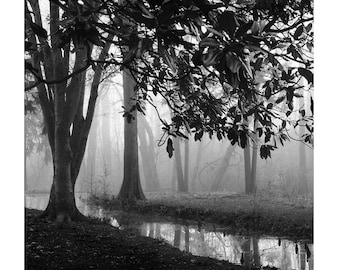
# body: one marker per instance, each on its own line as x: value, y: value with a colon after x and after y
x: 147, y: 150
x: 131, y: 187
x: 59, y: 62
x: 222, y: 43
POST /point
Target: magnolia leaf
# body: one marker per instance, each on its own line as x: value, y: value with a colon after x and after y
x: 298, y: 32
x: 170, y: 148
x: 38, y: 30
x: 228, y: 22
x: 307, y: 74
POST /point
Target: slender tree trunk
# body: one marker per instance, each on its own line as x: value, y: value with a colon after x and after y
x: 222, y: 168
x: 147, y: 150
x: 186, y: 165
x: 131, y: 187
x: 197, y: 165
x: 302, y: 184
x: 247, y: 168
x: 254, y: 161
x: 179, y: 168
x: 106, y: 137
x: 91, y: 154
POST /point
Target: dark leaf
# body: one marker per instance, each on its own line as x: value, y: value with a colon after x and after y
x: 280, y: 99
x: 302, y: 112
x: 270, y: 106
x: 243, y: 138
x: 265, y: 151
x: 268, y: 92
x: 258, y: 63
x: 38, y: 30
x: 307, y: 74
x: 228, y: 22
x: 170, y: 148
x: 198, y: 135
x: 298, y: 32
x: 312, y: 105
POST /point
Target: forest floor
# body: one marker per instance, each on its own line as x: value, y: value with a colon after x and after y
x: 97, y: 245
x: 263, y: 213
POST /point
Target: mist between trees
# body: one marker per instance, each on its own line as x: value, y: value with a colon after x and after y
x: 209, y: 165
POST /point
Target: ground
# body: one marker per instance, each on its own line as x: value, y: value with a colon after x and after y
x: 263, y: 213
x: 97, y: 245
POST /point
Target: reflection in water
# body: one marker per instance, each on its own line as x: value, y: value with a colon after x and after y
x: 246, y: 250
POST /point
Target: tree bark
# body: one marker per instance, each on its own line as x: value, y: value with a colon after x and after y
x: 62, y: 107
x: 247, y: 168
x: 179, y: 168
x: 186, y: 165
x: 131, y: 187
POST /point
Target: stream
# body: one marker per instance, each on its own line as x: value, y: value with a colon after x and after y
x: 201, y: 239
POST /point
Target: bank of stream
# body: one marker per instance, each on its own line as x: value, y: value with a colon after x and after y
x: 198, y: 236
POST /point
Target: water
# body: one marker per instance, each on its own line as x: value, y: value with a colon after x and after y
x: 203, y: 240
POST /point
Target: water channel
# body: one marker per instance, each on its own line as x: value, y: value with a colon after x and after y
x: 202, y: 240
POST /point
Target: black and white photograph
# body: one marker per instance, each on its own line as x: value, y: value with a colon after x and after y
x: 170, y: 134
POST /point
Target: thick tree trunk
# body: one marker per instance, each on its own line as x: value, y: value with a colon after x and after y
x: 131, y: 188
x: 222, y: 168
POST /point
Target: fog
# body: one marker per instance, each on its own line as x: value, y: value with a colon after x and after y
x: 101, y: 172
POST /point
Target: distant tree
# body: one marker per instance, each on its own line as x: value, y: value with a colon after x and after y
x: 147, y: 150
x: 218, y: 176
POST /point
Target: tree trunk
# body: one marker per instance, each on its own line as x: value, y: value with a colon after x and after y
x: 106, y: 137
x: 222, y: 168
x: 179, y: 169
x: 302, y: 183
x: 62, y: 105
x: 147, y: 150
x: 186, y: 165
x: 91, y: 154
x: 197, y: 165
x: 131, y: 186
x: 247, y: 168
x: 254, y: 161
